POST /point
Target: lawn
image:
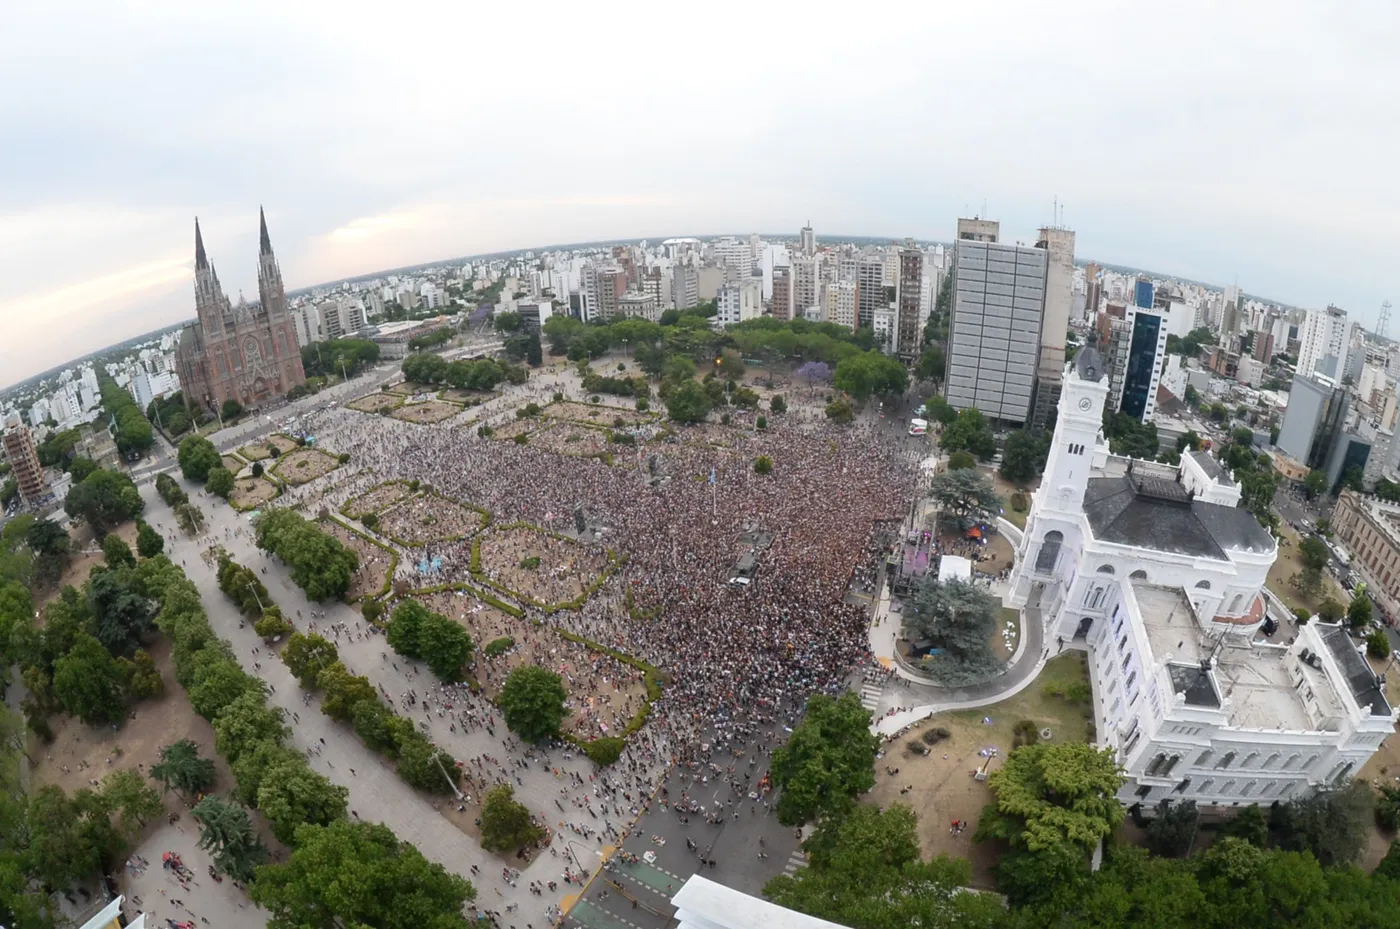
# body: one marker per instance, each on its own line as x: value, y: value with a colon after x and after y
x: 1290, y: 563
x: 940, y: 786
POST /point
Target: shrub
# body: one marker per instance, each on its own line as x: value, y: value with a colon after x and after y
x: 343, y: 458
x: 1302, y: 616
x: 484, y: 431
x: 778, y: 404
x: 372, y: 609
x: 762, y: 422
x: 604, y: 751
x: 369, y: 520
x: 272, y: 624
x: 530, y: 563
x: 724, y: 419
x: 643, y: 404
x: 258, y: 469
x: 1025, y: 732
x: 763, y: 464
x: 1019, y: 503
x: 1378, y: 645
x: 558, y: 397
x: 499, y: 646
x: 521, y: 439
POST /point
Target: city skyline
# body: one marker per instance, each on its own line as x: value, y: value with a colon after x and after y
x: 1212, y: 165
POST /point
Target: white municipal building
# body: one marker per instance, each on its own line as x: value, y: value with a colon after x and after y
x: 1159, y: 575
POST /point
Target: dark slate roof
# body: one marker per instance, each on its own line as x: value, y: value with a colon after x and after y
x: 1213, y: 469
x: 1088, y: 364
x: 1360, y: 678
x: 1148, y: 513
x: 1195, y: 683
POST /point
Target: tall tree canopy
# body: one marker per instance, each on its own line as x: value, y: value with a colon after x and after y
x: 827, y: 762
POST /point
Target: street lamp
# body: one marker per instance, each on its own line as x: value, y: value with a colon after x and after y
x: 255, y: 596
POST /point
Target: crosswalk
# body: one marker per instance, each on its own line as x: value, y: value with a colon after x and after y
x: 796, y: 861
x: 870, y: 696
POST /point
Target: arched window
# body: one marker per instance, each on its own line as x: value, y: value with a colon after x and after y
x: 1225, y: 760
x: 1205, y: 757
x: 1171, y: 763
x: 1248, y: 788
x: 1235, y: 603
x: 1227, y: 787
x: 1249, y: 759
x: 1049, y: 552
x: 1312, y: 760
x: 1206, y: 784
x: 1138, y: 575
x: 1096, y: 600
x: 1269, y: 762
x: 1105, y: 569
x: 1203, y: 585
x: 1342, y: 772
x: 1292, y: 760
x: 1156, y: 763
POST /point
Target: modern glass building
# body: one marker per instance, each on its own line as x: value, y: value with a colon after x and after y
x: 1147, y: 348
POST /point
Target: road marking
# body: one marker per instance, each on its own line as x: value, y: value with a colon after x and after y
x: 795, y: 861
x: 591, y: 916
x: 870, y: 696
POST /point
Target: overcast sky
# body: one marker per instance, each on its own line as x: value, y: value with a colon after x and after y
x: 1216, y: 141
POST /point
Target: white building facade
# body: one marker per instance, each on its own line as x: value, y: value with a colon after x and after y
x: 1158, y: 575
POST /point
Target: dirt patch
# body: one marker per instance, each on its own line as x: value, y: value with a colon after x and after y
x: 941, y: 786
x: 430, y: 518
x: 374, y: 403
x: 376, y: 499
x: 251, y: 493
x: 707, y: 434
x: 598, y: 414
x: 467, y: 397
x: 376, y: 565
x: 433, y: 411
x: 261, y: 451
x: 233, y: 464
x: 304, y: 465
x: 1290, y: 563
x: 512, y: 429
x: 539, y: 566
x: 604, y: 693
x: 86, y: 554
x: 410, y: 389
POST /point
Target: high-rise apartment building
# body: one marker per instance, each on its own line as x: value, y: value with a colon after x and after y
x: 806, y: 284
x: 638, y: 305
x: 839, y: 303
x: 1313, y: 421
x: 994, y: 337
x: 807, y: 241
x: 685, y: 287
x: 1059, y: 294
x: 782, y: 293
x: 736, y: 257
x: 23, y: 457
x: 244, y: 353
x: 911, y: 302
x: 604, y: 286
x: 735, y: 303
x: 870, y: 288
x: 1323, y: 342
x: 1147, y: 351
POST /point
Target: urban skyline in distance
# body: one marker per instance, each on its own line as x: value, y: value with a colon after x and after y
x: 1191, y: 166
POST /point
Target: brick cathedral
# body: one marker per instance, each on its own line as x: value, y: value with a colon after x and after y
x: 244, y: 353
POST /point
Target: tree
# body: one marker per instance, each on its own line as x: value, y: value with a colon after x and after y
x: 104, y: 499
x: 258, y: 470
x: 1378, y: 645
x: 532, y: 700
x: 763, y: 465
x: 1359, y: 611
x: 220, y: 482
x: 1315, y: 483
x: 343, y: 691
x: 1172, y: 832
x: 405, y: 629
x: 960, y: 619
x: 197, y: 456
x: 445, y: 646
x: 47, y: 537
x: 962, y: 461
x: 358, y: 874
x: 291, y: 794
x: 226, y: 832
x: 865, y: 872
x: 1054, y: 796
x: 1131, y: 437
x: 827, y: 762
x: 247, y: 722
x: 68, y: 838
x: 149, y: 543
x: 1249, y: 824
x: 969, y: 432
x: 777, y: 404
x: 121, y: 616
x: 181, y: 769
x: 506, y: 825
x: 1023, y: 456
x: 1330, y: 611
x: 1313, y: 552
x: 870, y: 373
x: 140, y: 677
x: 932, y: 364
x: 1388, y: 808
x: 814, y: 372
x: 966, y: 496
x: 117, y: 553
x: 307, y: 655
x: 423, y: 766
x: 939, y: 410
x: 840, y: 410
x: 88, y: 683
x: 320, y: 565
x: 132, y: 799
x: 688, y: 402
x: 1331, y: 823
x: 231, y: 409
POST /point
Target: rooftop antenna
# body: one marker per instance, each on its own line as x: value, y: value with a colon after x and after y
x: 1384, y: 321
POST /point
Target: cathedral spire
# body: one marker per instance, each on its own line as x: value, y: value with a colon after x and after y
x: 201, y: 261
x: 264, y: 243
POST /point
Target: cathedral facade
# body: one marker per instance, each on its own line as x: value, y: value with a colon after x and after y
x: 244, y: 353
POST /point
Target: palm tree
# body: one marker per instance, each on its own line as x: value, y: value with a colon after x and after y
x: 226, y: 831
x: 181, y: 768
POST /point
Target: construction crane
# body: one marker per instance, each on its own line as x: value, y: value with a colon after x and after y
x: 1384, y: 319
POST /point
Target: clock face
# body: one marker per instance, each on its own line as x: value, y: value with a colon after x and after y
x: 1085, y: 404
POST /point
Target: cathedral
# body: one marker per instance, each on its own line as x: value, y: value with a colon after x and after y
x: 244, y: 353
